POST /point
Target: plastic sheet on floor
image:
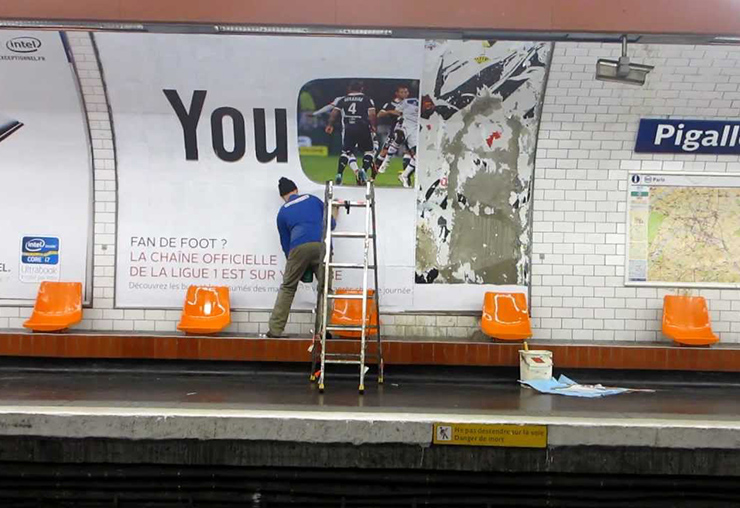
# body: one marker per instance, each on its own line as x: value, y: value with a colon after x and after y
x: 566, y: 386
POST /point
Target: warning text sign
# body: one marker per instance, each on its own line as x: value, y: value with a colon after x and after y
x: 506, y: 435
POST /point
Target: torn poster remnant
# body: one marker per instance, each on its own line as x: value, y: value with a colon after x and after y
x: 481, y: 103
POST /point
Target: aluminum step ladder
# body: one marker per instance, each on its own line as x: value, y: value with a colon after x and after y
x: 319, y: 354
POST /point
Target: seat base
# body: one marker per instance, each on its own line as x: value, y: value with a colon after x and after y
x: 46, y: 327
x: 194, y: 330
x: 507, y: 333
x: 39, y: 324
x: 513, y: 337
x: 695, y: 341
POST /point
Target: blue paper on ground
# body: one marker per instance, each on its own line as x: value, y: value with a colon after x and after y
x: 566, y: 386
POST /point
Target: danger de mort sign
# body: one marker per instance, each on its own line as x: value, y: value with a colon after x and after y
x: 484, y: 434
x: 688, y: 136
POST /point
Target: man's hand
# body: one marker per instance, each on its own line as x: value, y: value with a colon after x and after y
x: 329, y: 129
x: 335, y: 212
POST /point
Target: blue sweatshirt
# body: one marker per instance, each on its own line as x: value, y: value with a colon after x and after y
x: 300, y: 221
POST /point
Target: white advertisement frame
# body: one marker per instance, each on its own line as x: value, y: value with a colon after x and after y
x: 89, y: 249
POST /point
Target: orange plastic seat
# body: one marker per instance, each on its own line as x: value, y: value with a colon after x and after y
x: 58, y: 306
x: 206, y: 310
x: 686, y: 320
x: 349, y: 313
x: 505, y: 316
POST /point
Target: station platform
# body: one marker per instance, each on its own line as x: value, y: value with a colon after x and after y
x: 126, y: 419
x: 174, y: 433
x: 248, y: 405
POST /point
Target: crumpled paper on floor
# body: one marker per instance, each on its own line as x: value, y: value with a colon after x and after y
x: 566, y: 386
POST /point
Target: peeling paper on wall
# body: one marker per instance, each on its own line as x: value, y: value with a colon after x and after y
x: 481, y: 103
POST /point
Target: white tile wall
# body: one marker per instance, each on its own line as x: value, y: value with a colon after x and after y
x: 584, y: 153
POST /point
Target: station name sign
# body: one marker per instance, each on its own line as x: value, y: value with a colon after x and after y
x: 688, y: 136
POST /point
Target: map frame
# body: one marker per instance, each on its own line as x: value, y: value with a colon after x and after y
x: 638, y: 181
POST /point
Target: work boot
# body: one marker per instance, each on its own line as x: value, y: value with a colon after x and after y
x: 271, y: 335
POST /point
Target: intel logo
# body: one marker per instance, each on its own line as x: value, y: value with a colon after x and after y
x: 34, y: 245
x: 23, y: 45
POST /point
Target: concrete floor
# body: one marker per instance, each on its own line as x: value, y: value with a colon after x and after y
x: 403, y: 393
x: 248, y: 415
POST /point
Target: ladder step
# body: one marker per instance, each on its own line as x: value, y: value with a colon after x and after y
x: 346, y: 356
x: 351, y: 265
x: 347, y: 297
x: 350, y: 234
x: 351, y: 203
x: 345, y: 328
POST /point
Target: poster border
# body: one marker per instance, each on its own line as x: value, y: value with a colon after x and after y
x: 87, y: 295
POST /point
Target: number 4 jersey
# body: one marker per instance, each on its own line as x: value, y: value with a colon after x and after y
x: 355, y: 108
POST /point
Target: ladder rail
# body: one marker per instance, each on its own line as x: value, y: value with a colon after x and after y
x: 326, y: 227
x: 327, y: 278
x: 379, y: 352
x: 366, y: 253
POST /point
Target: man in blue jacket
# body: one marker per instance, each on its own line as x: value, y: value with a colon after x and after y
x: 300, y: 224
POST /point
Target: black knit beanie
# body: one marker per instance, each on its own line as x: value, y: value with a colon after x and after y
x: 286, y: 186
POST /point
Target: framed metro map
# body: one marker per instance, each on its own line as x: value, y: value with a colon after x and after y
x: 683, y: 229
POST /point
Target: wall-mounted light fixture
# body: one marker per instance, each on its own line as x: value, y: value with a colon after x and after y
x: 622, y: 71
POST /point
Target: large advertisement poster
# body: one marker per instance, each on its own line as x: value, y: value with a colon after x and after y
x: 45, y: 167
x: 684, y: 230
x: 206, y: 125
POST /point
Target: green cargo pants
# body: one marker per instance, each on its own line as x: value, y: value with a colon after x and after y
x: 302, y: 257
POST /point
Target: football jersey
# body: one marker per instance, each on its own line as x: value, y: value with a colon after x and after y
x: 355, y: 108
x: 328, y: 108
x: 392, y: 106
x: 409, y: 109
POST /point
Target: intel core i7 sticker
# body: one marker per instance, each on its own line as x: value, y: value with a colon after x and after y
x: 39, y: 259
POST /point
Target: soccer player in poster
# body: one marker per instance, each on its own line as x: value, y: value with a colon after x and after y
x: 408, y: 124
x: 390, y: 112
x: 327, y: 110
x: 359, y: 120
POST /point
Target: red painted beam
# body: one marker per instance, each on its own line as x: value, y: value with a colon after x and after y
x: 396, y: 352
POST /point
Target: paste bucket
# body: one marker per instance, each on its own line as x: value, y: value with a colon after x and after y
x: 535, y: 364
